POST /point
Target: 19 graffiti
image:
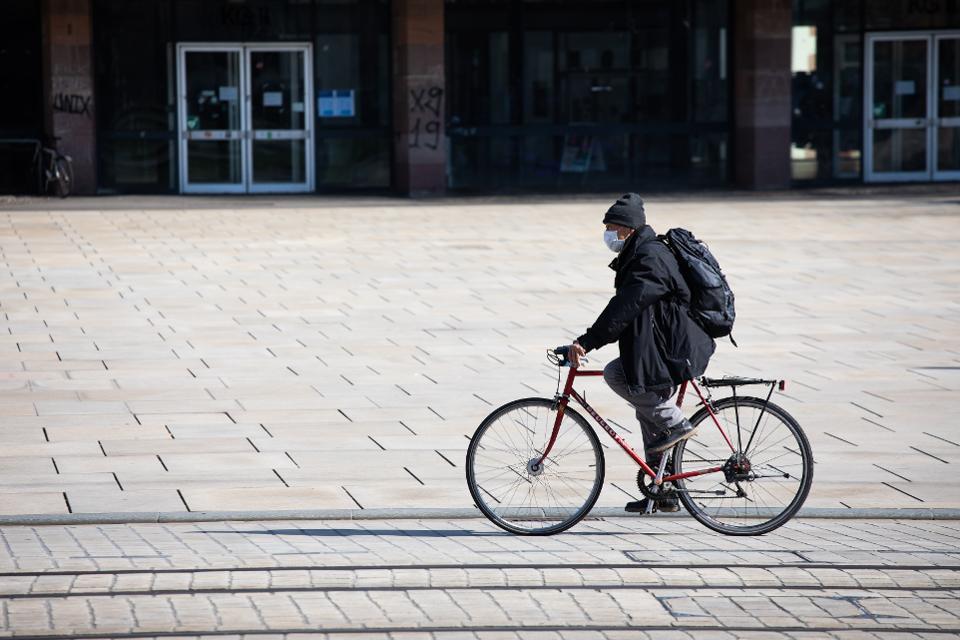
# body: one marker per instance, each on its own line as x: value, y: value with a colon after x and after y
x: 427, y: 104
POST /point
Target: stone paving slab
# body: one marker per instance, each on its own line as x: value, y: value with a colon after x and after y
x: 463, y: 578
x: 159, y: 339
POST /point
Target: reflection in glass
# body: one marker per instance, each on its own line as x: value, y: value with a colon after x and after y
x: 847, y: 149
x: 710, y: 61
x: 948, y: 148
x: 213, y: 161
x: 899, y: 150
x: 483, y: 162
x: 847, y: 77
x: 899, y: 79
x: 538, y: 76
x: 279, y: 161
x: 948, y: 104
x: 847, y: 105
x: 338, y: 69
x: 594, y: 51
x: 276, y: 89
x: 617, y: 97
x: 353, y: 162
x: 594, y: 85
x: 803, y: 162
x: 499, y: 77
x: 708, y: 158
x: 479, y: 90
x: 213, y: 90
x: 135, y: 161
x: 948, y: 78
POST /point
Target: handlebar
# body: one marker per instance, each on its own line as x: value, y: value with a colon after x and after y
x: 558, y: 356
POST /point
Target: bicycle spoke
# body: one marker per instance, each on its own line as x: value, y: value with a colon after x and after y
x: 523, y: 498
x: 762, y: 495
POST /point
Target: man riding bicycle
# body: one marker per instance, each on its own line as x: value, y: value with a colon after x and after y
x: 660, y: 344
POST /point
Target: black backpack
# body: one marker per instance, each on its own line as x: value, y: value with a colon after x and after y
x: 711, y: 299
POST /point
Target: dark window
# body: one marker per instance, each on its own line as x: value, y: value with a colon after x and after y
x: 827, y: 91
x: 21, y: 106
x: 352, y: 54
x: 136, y: 78
x: 563, y: 94
x: 135, y: 66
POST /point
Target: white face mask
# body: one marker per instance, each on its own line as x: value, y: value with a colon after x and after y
x: 613, y: 243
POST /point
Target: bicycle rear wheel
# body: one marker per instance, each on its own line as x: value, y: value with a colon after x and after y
x: 63, y: 176
x: 519, y: 497
x: 767, y: 472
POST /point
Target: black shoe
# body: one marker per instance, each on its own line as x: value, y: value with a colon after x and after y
x: 671, y: 437
x: 667, y: 505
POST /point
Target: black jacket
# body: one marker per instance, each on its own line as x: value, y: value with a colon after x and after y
x: 660, y: 345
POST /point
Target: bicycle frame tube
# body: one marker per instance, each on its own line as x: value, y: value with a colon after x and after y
x: 713, y: 416
x: 569, y: 391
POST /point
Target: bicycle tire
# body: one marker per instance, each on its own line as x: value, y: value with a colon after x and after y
x: 699, y: 512
x: 529, y: 448
x: 63, y: 176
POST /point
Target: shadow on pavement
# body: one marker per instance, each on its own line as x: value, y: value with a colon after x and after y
x: 413, y: 533
x: 336, y: 533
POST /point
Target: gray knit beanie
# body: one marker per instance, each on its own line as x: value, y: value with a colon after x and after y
x: 627, y: 211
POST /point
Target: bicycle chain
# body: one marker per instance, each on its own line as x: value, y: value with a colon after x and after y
x: 667, y: 489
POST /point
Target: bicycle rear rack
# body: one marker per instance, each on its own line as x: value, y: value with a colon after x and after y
x: 737, y: 381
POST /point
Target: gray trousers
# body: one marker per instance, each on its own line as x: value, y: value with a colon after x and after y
x: 655, y: 410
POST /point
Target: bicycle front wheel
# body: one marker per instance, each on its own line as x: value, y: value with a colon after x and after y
x: 63, y: 176
x: 511, y: 490
x: 767, y: 467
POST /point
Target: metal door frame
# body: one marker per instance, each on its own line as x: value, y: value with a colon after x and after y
x: 246, y: 185
x: 937, y: 120
x: 930, y: 122
x: 308, y: 98
x: 183, y: 133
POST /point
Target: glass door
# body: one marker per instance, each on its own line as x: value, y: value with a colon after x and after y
x: 897, y: 137
x: 280, y: 113
x: 211, y: 119
x: 946, y: 99
x: 245, y: 117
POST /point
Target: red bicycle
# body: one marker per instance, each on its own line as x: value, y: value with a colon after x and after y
x: 535, y: 466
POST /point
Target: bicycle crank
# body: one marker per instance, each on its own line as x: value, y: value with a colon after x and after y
x: 653, y: 490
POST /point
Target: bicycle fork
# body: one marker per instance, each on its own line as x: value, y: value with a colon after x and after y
x: 561, y: 403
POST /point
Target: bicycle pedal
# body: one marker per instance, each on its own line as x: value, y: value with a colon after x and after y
x: 643, y: 507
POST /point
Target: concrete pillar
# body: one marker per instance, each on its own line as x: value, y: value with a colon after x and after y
x: 761, y: 81
x: 419, y: 138
x: 68, y: 86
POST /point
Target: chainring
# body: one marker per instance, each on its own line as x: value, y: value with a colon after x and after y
x: 667, y: 489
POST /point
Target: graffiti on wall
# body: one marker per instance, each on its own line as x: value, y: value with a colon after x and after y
x: 426, y: 105
x: 72, y: 103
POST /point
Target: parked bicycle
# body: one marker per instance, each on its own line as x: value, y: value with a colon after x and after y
x: 535, y: 465
x: 54, y: 171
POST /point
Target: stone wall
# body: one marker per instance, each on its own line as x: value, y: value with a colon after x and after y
x: 762, y: 89
x: 68, y: 86
x: 420, y: 147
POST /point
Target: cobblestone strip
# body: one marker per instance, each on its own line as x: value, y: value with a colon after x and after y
x: 413, y: 578
x: 480, y: 608
x: 459, y: 542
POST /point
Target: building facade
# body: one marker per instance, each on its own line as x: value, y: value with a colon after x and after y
x: 427, y: 96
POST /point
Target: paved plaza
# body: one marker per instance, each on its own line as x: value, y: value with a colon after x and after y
x: 463, y: 579
x: 166, y: 355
